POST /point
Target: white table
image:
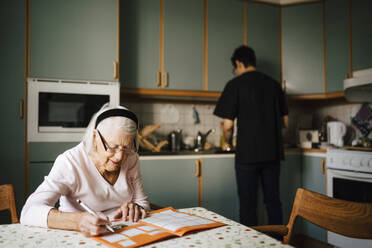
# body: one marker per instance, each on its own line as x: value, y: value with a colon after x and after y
x: 231, y: 235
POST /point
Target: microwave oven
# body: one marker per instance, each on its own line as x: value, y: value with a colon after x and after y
x: 60, y: 110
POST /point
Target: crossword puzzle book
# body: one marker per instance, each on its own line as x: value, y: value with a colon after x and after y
x: 160, y: 224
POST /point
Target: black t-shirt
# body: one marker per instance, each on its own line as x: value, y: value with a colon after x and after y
x: 258, y: 103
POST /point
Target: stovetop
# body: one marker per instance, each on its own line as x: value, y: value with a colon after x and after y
x: 352, y: 160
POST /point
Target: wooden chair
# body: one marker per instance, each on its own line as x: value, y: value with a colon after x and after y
x: 7, y: 201
x: 350, y: 219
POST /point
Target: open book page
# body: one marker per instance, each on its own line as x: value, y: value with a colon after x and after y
x: 178, y: 223
x: 160, y: 224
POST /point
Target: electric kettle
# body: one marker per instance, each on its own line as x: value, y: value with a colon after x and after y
x: 336, y: 131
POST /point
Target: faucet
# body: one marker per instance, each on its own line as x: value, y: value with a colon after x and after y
x: 201, y: 139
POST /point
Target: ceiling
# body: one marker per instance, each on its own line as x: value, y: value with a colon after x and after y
x: 285, y: 2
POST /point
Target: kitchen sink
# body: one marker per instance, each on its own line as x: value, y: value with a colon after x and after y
x: 185, y: 152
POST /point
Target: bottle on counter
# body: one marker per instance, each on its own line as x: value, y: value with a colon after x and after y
x: 222, y: 138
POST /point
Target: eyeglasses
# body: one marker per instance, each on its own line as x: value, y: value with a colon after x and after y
x: 115, y: 149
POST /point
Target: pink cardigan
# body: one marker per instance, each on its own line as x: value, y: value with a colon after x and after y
x: 74, y: 176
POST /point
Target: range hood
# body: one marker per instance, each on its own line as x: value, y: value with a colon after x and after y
x: 359, y: 87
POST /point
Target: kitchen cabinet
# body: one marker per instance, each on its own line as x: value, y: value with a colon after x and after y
x: 337, y: 37
x: 314, y: 179
x: 302, y: 48
x: 290, y: 181
x: 12, y: 64
x: 171, y: 182
x: 263, y: 32
x: 37, y: 172
x: 73, y: 39
x: 41, y: 160
x: 162, y: 44
x: 48, y: 151
x: 219, y: 189
x: 361, y: 34
x: 183, y: 44
x: 225, y: 33
x: 139, y: 43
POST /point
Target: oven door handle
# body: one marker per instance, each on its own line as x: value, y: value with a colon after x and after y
x: 345, y: 175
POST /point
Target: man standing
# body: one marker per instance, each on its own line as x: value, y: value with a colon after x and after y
x: 259, y: 104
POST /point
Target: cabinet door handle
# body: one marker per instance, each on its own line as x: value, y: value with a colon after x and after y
x: 165, y: 80
x: 323, y: 166
x: 116, y: 70
x: 158, y: 83
x: 21, y: 109
x: 198, y: 169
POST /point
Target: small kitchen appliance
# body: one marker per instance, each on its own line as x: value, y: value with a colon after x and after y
x: 59, y: 110
x: 308, y: 138
x: 336, y: 131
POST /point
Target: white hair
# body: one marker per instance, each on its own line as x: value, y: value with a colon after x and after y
x: 114, y: 122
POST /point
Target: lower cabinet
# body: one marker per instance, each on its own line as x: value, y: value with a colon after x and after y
x: 171, y: 182
x: 314, y: 179
x: 290, y: 181
x: 42, y: 157
x: 219, y: 191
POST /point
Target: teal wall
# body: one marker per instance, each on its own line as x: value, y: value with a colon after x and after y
x: 12, y: 67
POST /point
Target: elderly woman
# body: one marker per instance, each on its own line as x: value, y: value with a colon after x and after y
x: 102, y: 171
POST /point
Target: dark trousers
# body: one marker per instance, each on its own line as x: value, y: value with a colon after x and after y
x: 247, y: 176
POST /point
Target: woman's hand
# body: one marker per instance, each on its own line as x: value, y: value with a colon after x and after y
x: 90, y: 225
x: 130, y: 211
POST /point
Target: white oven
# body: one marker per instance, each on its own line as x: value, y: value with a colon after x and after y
x: 60, y: 110
x: 349, y: 177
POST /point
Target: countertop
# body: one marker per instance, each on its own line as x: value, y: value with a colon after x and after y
x: 147, y: 155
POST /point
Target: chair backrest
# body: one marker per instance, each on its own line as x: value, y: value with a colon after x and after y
x: 7, y: 201
x: 347, y: 218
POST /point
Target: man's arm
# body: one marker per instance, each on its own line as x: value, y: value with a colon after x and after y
x: 227, y: 132
x: 285, y: 121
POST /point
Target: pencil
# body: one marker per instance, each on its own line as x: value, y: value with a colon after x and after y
x: 93, y: 213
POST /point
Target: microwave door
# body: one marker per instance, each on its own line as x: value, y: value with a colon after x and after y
x: 59, y: 112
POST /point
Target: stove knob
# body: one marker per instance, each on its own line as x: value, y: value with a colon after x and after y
x: 364, y: 163
x: 354, y: 162
x: 346, y: 161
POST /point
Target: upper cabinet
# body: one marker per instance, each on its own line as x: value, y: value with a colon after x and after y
x: 139, y: 43
x: 161, y: 44
x: 183, y: 44
x: 337, y: 37
x: 263, y: 35
x: 73, y: 39
x: 225, y: 33
x: 361, y: 34
x: 302, y: 48
x: 187, y: 45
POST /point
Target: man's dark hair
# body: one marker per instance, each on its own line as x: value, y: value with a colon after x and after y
x: 244, y: 54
